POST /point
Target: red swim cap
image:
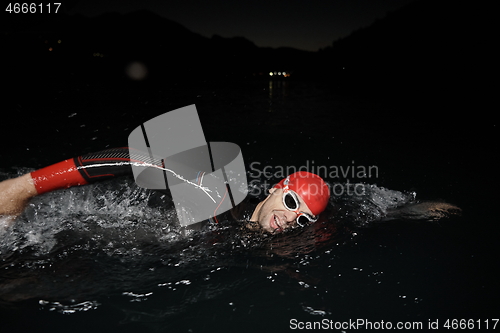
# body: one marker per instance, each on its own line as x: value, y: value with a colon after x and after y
x: 310, y: 187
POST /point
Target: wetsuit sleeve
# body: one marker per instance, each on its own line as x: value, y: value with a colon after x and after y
x: 86, y: 169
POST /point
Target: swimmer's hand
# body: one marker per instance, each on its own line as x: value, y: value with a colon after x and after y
x: 14, y: 196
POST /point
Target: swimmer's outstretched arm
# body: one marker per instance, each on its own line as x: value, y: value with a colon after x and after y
x: 15, y: 193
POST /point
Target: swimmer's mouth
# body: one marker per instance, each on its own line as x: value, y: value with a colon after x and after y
x: 275, y: 223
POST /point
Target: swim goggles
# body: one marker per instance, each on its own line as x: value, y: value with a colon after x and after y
x: 291, y: 202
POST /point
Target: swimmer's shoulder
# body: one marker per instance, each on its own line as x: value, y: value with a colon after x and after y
x: 244, y: 210
x: 240, y: 214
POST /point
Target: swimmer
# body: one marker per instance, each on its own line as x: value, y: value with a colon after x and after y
x: 295, y: 201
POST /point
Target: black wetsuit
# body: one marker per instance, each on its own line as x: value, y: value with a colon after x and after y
x: 116, y: 162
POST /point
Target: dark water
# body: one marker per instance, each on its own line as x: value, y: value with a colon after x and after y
x: 102, y: 258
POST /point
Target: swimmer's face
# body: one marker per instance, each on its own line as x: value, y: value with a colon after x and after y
x: 273, y: 216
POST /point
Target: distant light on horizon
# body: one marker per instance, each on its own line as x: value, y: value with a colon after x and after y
x: 284, y: 74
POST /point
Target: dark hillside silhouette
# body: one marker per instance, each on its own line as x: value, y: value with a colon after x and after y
x: 421, y: 43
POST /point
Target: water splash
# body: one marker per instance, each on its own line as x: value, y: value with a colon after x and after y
x: 376, y: 203
x: 69, y: 308
x: 111, y: 213
x: 116, y: 238
x: 315, y: 312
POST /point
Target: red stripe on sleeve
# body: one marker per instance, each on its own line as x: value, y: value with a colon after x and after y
x: 57, y: 176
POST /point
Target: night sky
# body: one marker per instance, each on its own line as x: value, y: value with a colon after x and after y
x: 307, y: 25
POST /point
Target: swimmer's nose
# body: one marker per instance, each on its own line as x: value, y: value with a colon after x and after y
x: 290, y: 217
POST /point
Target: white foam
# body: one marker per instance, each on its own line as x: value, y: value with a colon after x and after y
x: 118, y: 213
x: 5, y: 223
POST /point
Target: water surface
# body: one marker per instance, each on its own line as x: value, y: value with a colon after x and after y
x: 109, y: 256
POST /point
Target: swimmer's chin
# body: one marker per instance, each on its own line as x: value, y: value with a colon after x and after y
x: 254, y: 226
x: 263, y: 228
x: 257, y: 227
